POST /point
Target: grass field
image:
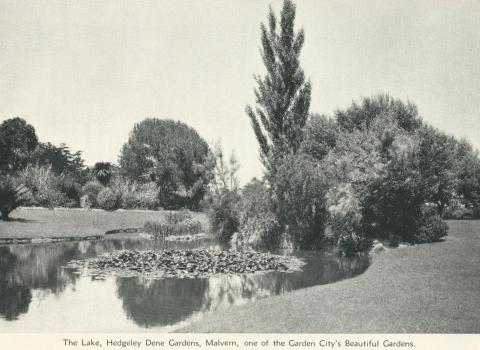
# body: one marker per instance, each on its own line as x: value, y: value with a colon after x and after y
x: 40, y: 223
x: 429, y: 288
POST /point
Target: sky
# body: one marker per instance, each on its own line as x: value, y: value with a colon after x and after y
x: 84, y: 72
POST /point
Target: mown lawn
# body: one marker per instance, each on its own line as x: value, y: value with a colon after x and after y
x: 38, y: 223
x: 429, y: 288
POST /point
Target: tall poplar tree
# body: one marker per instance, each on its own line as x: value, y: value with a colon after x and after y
x: 282, y: 95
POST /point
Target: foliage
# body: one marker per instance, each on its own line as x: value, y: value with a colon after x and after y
x: 436, y: 164
x: 282, y: 95
x: 468, y: 177
x: 12, y: 195
x: 171, y: 154
x: 109, y: 199
x: 456, y: 210
x: 17, y: 140
x: 344, y: 226
x: 224, y: 216
x: 259, y: 227
x: 431, y: 228
x: 46, y: 187
x: 70, y: 189
x: 102, y: 171
x: 361, y: 116
x: 225, y: 174
x: 299, y: 196
x: 61, y: 160
x: 91, y: 189
x: 140, y: 196
x: 393, y: 205
x: 321, y: 134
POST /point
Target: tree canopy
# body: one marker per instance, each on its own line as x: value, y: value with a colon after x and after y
x: 282, y: 95
x: 171, y: 154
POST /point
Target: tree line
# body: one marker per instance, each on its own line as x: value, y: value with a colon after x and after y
x: 374, y: 169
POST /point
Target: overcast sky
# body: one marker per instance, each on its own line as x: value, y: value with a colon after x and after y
x: 83, y: 72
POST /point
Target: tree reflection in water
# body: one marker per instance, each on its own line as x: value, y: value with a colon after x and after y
x: 166, y: 302
x: 15, y: 297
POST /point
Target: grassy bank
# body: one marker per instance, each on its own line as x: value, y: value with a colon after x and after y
x: 429, y: 288
x: 40, y: 223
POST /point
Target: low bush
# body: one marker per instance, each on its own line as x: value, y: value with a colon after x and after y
x: 91, y: 190
x: 109, y: 199
x: 432, y: 228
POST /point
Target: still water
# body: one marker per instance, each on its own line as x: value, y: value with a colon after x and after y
x: 38, y: 295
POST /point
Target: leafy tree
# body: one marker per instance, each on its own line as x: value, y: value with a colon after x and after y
x: 361, y: 116
x: 17, y: 140
x: 468, y: 176
x: 171, y: 154
x: 321, y: 134
x: 61, y: 160
x: 437, y: 166
x: 282, y: 95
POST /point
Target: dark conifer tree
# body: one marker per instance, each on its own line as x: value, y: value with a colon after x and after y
x: 282, y: 95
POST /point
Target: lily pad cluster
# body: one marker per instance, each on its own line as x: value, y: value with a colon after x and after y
x: 193, y: 263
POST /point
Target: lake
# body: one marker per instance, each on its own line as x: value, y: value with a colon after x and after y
x: 37, y: 294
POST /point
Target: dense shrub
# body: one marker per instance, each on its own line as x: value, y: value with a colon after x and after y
x: 70, y: 189
x: 344, y: 228
x: 44, y: 186
x: 140, y: 196
x: 299, y: 201
x: 12, y: 195
x: 259, y: 227
x: 224, y: 216
x: 431, y: 227
x: 91, y: 190
x: 109, y: 199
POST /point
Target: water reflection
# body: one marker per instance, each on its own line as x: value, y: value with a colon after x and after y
x: 15, y: 297
x: 31, y: 274
x: 152, y: 303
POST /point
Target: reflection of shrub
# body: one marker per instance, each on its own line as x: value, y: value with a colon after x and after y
x: 432, y: 228
x: 91, y: 190
x: 109, y: 200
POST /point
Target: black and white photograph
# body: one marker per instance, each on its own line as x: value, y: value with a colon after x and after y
x: 242, y: 166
